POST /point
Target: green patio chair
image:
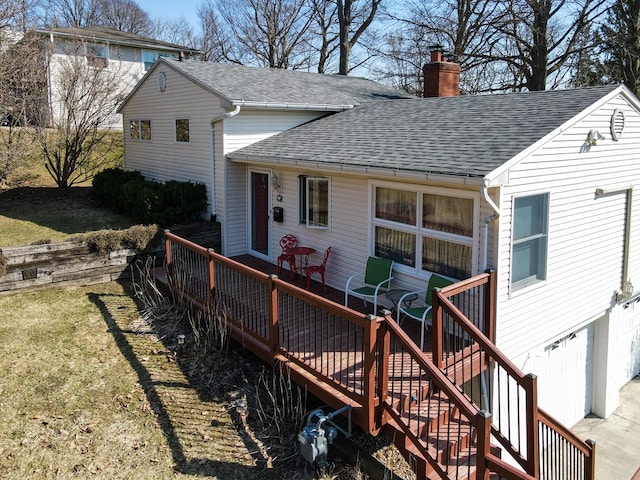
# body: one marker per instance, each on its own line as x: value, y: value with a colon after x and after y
x: 421, y: 313
x: 368, y: 285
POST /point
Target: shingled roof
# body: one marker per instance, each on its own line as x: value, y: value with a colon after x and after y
x: 466, y: 136
x: 116, y: 37
x: 255, y: 86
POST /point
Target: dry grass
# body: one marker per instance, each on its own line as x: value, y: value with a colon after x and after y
x: 37, y: 214
x: 90, y: 391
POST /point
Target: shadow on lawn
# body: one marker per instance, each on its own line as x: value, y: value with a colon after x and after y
x: 205, y: 437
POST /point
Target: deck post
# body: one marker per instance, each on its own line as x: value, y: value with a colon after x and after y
x: 490, y: 306
x: 483, y: 430
x: 384, y: 356
x: 533, y: 445
x: 590, y: 461
x: 167, y: 250
x: 273, y: 317
x: 211, y: 273
x: 436, y: 328
x: 369, y: 373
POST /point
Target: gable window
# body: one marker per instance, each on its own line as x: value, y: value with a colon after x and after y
x: 529, y: 246
x: 140, y: 129
x: 182, y: 130
x: 424, y: 230
x: 315, y: 201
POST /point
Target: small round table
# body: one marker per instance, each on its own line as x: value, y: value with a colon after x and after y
x: 303, y: 253
x: 396, y: 294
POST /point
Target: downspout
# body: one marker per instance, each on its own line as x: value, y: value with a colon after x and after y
x: 486, y: 221
x: 485, y: 251
x: 233, y: 113
x: 626, y: 288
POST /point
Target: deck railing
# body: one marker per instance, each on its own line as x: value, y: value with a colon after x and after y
x: 470, y: 359
x: 371, y: 362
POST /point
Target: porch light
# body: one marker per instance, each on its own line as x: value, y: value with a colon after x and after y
x: 593, y: 137
x: 275, y: 183
x: 181, y: 339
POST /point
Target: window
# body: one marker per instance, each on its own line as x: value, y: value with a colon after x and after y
x: 529, y: 247
x: 424, y: 230
x: 182, y: 130
x: 140, y: 129
x: 149, y: 57
x: 97, y: 55
x: 315, y: 201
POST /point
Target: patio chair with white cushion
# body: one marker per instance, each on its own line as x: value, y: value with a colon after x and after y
x: 421, y: 313
x: 368, y: 285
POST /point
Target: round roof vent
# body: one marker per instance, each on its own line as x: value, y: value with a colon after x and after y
x: 617, y: 124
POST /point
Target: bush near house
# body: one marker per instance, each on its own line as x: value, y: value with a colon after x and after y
x: 147, y: 201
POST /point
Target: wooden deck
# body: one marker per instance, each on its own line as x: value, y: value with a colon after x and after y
x: 412, y: 328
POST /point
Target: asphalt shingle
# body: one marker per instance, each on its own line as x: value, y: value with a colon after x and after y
x: 239, y: 83
x: 462, y: 136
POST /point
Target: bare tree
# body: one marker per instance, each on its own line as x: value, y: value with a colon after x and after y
x: 123, y: 15
x: 270, y: 33
x: 461, y: 28
x: 178, y: 31
x: 621, y: 36
x: 538, y: 39
x: 72, y: 13
x: 354, y: 18
x: 325, y: 32
x: 22, y: 91
x: 77, y: 143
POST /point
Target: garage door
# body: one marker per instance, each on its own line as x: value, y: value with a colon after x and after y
x: 565, y: 377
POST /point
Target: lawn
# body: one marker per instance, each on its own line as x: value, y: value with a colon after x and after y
x: 89, y: 391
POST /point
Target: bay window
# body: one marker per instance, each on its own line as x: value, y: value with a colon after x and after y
x: 424, y: 230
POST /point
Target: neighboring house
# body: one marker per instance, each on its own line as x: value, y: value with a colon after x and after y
x: 126, y: 56
x: 538, y: 186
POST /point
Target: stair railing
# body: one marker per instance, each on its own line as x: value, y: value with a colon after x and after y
x: 475, y: 365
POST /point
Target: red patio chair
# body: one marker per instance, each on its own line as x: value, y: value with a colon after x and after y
x: 311, y: 269
x: 287, y: 242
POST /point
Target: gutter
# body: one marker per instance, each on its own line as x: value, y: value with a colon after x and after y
x: 626, y: 288
x: 291, y: 106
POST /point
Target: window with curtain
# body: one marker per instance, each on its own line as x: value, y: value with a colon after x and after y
x: 529, y: 246
x: 315, y: 201
x: 424, y: 230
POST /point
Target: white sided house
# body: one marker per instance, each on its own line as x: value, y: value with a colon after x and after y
x: 540, y: 186
x: 123, y: 57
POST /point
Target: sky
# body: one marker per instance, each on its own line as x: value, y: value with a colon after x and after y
x: 171, y: 10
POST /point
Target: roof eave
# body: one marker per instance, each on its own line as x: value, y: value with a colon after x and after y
x: 399, y: 173
x: 291, y: 106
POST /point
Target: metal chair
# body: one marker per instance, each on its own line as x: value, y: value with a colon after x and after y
x: 287, y: 242
x: 311, y: 269
x: 421, y: 313
x: 374, y: 281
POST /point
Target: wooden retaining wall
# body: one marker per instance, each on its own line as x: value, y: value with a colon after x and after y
x: 74, y: 264
x: 62, y: 264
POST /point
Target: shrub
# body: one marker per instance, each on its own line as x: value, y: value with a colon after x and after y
x: 139, y: 237
x: 149, y: 202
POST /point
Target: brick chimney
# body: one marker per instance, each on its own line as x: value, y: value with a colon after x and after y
x: 441, y: 77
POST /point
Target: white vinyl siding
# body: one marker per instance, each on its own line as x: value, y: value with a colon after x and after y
x: 585, y: 234
x: 245, y: 128
x: 162, y: 159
